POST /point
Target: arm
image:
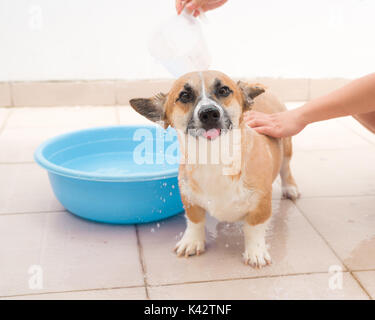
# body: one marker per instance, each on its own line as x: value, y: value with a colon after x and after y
x: 357, y: 97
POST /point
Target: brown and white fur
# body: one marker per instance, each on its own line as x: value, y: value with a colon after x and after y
x: 243, y: 194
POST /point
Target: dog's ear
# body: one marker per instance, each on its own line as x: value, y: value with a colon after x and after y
x: 249, y: 92
x: 152, y: 108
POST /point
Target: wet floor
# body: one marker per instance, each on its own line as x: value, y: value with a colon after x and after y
x: 322, y: 246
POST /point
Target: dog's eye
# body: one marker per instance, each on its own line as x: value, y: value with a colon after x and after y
x: 224, y: 91
x: 186, y: 97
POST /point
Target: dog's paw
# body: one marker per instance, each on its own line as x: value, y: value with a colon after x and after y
x: 290, y: 191
x: 257, y: 256
x: 189, y: 246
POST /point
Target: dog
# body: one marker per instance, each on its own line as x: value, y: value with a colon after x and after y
x: 207, y: 107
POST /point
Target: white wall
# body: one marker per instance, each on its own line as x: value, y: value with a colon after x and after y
x: 107, y: 39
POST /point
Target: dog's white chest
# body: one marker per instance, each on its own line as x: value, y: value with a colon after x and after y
x: 223, y: 197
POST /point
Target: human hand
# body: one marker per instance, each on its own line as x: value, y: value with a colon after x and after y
x: 194, y: 6
x: 277, y: 125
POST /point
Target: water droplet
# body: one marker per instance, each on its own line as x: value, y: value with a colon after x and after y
x: 173, y: 186
x: 152, y: 230
x: 226, y: 245
x: 158, y: 225
x: 170, y: 193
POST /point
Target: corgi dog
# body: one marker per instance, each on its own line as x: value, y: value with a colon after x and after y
x: 227, y: 168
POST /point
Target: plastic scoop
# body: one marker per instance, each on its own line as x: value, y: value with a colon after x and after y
x: 179, y: 45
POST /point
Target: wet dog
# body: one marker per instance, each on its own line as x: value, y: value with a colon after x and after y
x: 227, y: 169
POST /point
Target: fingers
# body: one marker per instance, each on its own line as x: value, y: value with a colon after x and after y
x: 262, y: 123
x: 210, y: 5
x: 250, y: 115
x: 256, y: 119
x: 269, y: 131
x: 180, y: 5
x: 258, y: 122
x: 196, y: 13
x: 193, y: 6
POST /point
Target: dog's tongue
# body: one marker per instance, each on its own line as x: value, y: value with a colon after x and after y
x: 211, y: 134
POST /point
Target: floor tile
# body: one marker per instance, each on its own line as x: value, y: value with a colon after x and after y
x: 71, y: 253
x: 19, y: 144
x: 106, y: 294
x: 78, y: 117
x: 25, y: 188
x: 327, y: 173
x: 328, y: 135
x: 348, y: 224
x: 356, y: 127
x: 305, y: 287
x: 276, y: 189
x: 294, y: 247
x: 3, y: 115
x: 341, y: 133
x: 367, y: 279
x: 129, y: 116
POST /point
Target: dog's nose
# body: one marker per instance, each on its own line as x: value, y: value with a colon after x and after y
x: 209, y: 114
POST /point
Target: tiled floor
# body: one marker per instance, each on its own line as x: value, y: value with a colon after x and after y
x: 323, y: 246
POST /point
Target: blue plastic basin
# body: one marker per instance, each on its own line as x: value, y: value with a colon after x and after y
x: 117, y: 174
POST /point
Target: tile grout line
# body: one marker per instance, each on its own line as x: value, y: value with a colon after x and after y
x: 240, y: 278
x: 141, y: 261
x: 69, y: 291
x: 7, y: 116
x: 360, y: 284
x: 363, y: 270
x: 32, y: 212
x: 175, y: 284
x: 333, y: 251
